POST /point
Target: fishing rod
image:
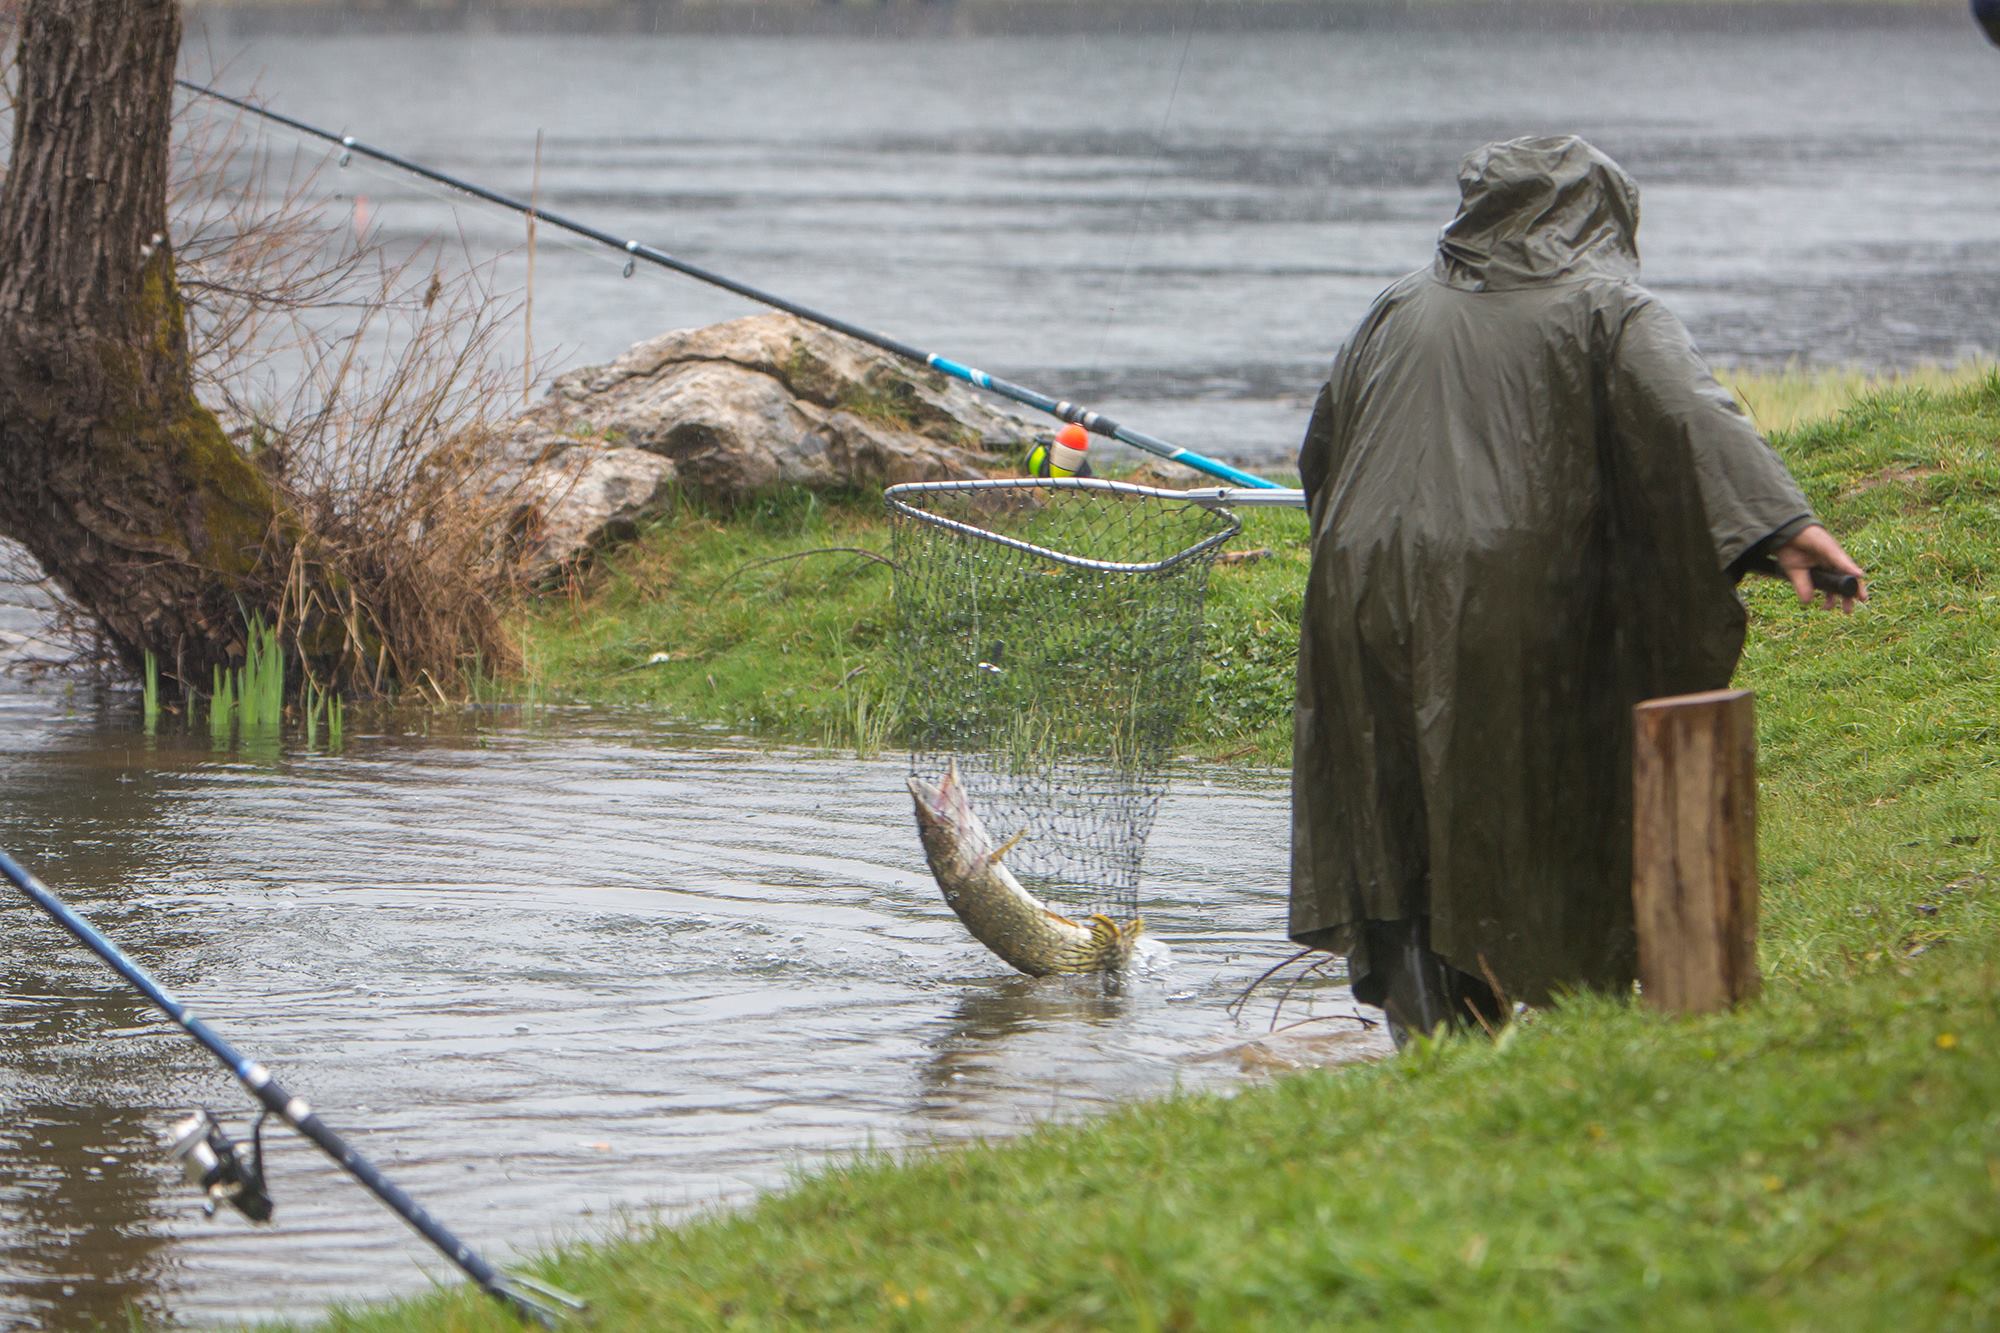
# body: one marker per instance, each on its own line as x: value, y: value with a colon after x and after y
x: 1249, y: 489
x: 1061, y: 409
x: 231, y: 1173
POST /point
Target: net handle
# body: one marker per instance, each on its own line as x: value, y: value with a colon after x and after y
x: 1216, y: 496
x: 1210, y: 500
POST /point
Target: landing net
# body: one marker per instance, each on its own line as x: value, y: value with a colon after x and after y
x: 1049, y: 641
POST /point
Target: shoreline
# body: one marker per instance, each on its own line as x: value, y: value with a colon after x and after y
x: 1809, y: 1160
x: 905, y: 19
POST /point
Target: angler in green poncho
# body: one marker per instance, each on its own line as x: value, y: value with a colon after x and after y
x: 1530, y: 505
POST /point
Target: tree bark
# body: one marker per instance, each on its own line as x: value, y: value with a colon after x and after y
x: 119, y: 482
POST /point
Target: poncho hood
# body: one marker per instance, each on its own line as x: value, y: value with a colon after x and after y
x: 1534, y: 211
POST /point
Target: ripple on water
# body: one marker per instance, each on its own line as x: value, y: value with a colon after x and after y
x: 543, y: 975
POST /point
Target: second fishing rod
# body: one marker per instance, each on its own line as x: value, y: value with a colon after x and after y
x: 1061, y: 409
x: 233, y: 1173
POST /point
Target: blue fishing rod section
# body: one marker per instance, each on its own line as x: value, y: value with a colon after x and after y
x: 1094, y: 422
x: 526, y: 1297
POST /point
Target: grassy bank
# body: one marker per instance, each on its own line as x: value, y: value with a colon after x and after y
x: 767, y: 620
x: 776, y: 621
x: 1831, y: 1161
x: 1827, y: 1158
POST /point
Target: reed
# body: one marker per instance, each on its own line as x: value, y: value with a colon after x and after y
x: 221, y: 705
x: 321, y: 708
x: 870, y: 723
x: 149, y: 700
x: 259, y: 684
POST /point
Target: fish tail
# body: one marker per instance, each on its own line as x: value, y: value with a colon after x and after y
x: 1111, y: 943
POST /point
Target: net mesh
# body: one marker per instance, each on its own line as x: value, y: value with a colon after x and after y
x: 1049, y: 642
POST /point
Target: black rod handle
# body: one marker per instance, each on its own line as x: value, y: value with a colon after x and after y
x: 1836, y: 582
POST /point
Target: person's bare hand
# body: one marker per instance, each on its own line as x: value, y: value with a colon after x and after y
x: 1815, y: 548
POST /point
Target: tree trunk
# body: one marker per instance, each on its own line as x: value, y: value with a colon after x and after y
x: 118, y: 481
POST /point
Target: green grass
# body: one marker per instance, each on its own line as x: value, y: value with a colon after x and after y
x: 693, y: 621
x: 1828, y: 1158
x: 1832, y: 1161
x: 1243, y: 709
x: 1880, y: 733
x: 761, y: 622
x: 727, y: 618
x: 1785, y: 400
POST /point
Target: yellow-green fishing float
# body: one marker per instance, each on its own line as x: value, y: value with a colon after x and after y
x: 1067, y: 455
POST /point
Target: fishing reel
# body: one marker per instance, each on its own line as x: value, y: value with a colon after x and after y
x: 223, y: 1169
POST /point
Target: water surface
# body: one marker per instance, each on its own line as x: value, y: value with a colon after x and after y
x: 541, y: 974
x: 1181, y: 227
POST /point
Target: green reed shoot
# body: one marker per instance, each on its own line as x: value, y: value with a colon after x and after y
x: 221, y: 704
x: 150, y: 699
x: 260, y: 681
x: 870, y: 722
x: 321, y: 707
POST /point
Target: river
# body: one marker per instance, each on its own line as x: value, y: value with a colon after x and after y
x: 556, y: 971
x: 547, y: 974
x: 1180, y: 227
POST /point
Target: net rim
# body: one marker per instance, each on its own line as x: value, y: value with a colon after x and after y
x: 895, y: 496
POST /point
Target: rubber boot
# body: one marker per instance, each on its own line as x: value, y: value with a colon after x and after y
x: 1420, y: 992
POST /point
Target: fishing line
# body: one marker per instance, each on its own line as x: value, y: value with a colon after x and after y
x: 400, y: 187
x: 376, y: 220
x: 1146, y: 188
x: 405, y: 189
x: 1088, y: 418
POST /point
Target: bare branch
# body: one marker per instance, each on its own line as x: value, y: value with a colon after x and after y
x: 862, y: 551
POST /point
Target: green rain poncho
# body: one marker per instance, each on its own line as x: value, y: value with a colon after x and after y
x: 1529, y: 503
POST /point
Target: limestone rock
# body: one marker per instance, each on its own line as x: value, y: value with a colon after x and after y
x: 741, y: 408
x: 586, y: 498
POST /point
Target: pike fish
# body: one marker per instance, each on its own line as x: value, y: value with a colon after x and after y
x: 1006, y: 918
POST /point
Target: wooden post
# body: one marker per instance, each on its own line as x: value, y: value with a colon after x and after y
x: 1694, y: 850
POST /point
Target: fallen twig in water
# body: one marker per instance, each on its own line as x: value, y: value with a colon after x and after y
x: 1272, y: 1056
x: 1318, y: 967
x: 1304, y: 972
x: 1235, y: 1007
x: 1364, y: 1020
